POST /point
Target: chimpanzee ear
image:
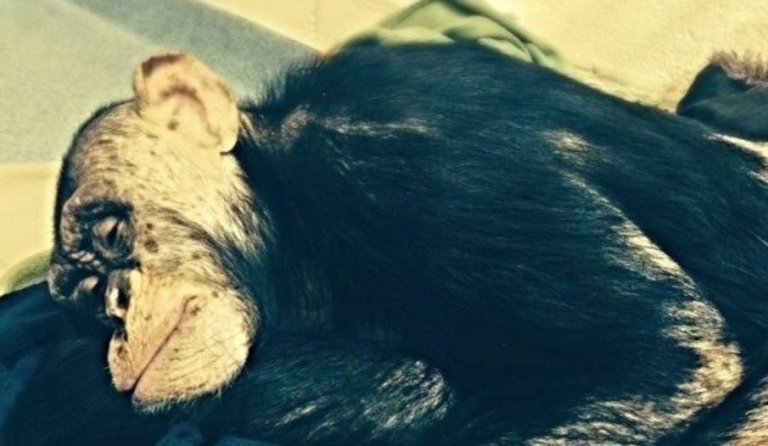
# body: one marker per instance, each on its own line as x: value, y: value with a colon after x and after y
x: 182, y: 94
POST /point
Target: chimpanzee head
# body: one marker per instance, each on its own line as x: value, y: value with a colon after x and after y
x: 147, y: 187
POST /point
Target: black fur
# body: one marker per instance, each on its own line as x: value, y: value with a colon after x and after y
x: 426, y: 220
x: 732, y: 104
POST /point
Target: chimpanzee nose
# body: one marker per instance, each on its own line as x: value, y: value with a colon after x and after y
x: 121, y: 286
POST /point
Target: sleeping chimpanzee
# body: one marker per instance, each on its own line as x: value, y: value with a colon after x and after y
x: 415, y: 245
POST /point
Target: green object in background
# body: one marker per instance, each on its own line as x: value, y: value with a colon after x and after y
x: 451, y: 21
x: 28, y: 272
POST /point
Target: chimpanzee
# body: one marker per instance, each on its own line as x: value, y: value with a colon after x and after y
x: 411, y: 245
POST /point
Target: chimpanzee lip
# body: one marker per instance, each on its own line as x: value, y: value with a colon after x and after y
x: 153, y: 357
x: 157, y: 353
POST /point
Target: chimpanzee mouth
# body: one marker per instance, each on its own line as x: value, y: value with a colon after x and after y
x: 122, y: 343
x: 121, y: 336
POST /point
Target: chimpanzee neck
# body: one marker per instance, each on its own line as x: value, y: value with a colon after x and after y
x: 304, y: 289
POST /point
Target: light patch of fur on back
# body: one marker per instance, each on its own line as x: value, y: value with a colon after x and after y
x: 298, y: 413
x: 749, y: 67
x: 347, y: 126
x: 759, y: 149
x: 694, y: 324
x: 639, y: 420
x: 650, y: 260
x: 654, y: 259
x: 701, y: 328
x: 571, y: 146
x: 754, y: 431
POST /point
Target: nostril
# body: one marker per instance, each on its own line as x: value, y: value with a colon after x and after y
x: 123, y: 299
x: 122, y: 283
x: 117, y: 302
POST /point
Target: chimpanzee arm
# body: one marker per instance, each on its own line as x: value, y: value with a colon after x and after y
x: 333, y: 392
x: 295, y: 392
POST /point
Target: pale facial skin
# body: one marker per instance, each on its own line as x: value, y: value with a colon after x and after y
x: 153, y: 182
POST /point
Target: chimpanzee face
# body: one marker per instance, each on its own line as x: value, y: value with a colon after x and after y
x: 148, y: 185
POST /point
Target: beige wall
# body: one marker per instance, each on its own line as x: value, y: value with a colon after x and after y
x: 317, y: 23
x: 647, y: 49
